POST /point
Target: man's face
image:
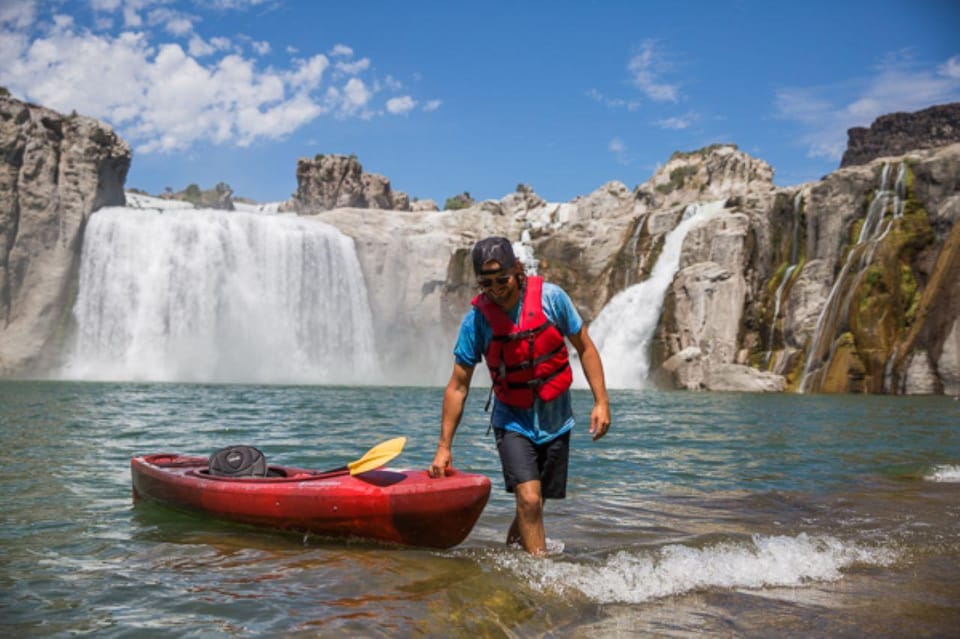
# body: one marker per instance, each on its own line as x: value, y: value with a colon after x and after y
x: 500, y: 285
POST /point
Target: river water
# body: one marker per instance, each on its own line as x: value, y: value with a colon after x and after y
x: 700, y: 514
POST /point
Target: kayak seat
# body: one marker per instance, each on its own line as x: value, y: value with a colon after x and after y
x: 238, y: 461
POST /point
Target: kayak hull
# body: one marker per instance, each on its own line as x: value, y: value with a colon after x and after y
x: 405, y: 507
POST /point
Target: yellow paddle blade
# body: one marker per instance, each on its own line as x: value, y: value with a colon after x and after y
x: 377, y: 456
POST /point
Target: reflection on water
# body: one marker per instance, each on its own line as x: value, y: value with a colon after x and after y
x: 698, y: 515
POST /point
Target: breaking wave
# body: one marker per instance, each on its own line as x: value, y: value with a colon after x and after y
x: 944, y: 473
x: 635, y: 576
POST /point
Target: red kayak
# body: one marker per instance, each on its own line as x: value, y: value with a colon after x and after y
x: 405, y: 507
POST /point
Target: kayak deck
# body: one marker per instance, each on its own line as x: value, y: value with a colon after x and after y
x: 405, y: 507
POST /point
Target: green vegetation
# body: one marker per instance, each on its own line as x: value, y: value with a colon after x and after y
x: 678, y: 178
x: 702, y: 151
x: 192, y: 194
x: 458, y: 202
x: 4, y: 92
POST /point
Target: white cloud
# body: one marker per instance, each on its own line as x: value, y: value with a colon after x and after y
x: 355, y: 96
x: 951, y: 68
x: 392, y: 83
x: 18, y: 14
x: 401, y: 105
x: 619, y: 150
x: 199, y: 48
x: 309, y: 73
x: 166, y: 88
x: 612, y: 103
x: 646, y: 68
x: 353, y: 68
x: 173, y: 22
x: 893, y: 88
x: 678, y: 123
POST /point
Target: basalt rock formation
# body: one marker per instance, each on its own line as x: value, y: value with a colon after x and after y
x: 56, y: 171
x: 844, y: 285
x: 899, y: 133
x: 338, y: 181
x: 848, y: 284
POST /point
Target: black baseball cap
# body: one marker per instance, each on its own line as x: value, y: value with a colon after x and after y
x: 493, y: 249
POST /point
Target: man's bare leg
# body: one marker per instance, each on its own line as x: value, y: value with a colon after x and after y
x: 527, y: 526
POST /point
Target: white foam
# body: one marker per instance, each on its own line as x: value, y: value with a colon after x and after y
x: 204, y: 295
x: 944, y: 473
x: 140, y: 201
x: 624, y: 328
x: 641, y: 575
x: 263, y: 207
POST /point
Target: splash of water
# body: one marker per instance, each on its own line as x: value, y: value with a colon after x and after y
x: 635, y: 576
x: 624, y: 328
x: 944, y: 473
x: 204, y: 295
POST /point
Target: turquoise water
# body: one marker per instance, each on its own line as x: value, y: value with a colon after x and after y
x: 699, y: 514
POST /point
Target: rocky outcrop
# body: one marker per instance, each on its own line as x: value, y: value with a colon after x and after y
x: 338, y: 181
x: 424, y: 205
x: 56, y: 171
x: 899, y: 133
x: 755, y: 303
x: 848, y: 284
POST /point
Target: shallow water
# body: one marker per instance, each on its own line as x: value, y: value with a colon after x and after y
x: 698, y: 515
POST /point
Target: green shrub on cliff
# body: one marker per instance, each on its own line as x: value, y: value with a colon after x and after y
x: 457, y: 202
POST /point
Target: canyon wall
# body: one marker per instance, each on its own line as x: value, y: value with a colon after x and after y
x: 56, y: 170
x: 848, y: 284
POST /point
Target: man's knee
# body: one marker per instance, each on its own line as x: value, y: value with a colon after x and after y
x: 529, y: 500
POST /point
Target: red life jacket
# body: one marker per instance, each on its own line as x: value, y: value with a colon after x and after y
x: 529, y: 359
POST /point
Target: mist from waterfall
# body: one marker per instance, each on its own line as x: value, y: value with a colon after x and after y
x: 624, y: 329
x: 216, y: 296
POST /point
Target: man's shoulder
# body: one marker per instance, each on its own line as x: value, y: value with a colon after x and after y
x: 554, y: 292
x: 552, y: 288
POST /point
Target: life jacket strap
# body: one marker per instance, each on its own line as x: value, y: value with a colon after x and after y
x: 531, y: 363
x: 534, y: 383
x: 527, y: 334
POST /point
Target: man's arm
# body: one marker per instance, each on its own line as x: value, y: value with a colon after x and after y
x: 454, y: 398
x: 593, y: 370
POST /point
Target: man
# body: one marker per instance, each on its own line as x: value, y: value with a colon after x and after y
x: 518, y: 324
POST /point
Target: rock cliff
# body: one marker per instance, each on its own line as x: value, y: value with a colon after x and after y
x: 56, y: 171
x: 844, y: 285
x: 848, y: 284
x: 338, y: 181
x: 898, y: 133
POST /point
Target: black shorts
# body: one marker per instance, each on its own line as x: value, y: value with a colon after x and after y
x: 524, y: 461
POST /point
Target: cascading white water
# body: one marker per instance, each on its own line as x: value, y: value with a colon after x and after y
x: 794, y: 253
x: 624, y: 328
x: 875, y: 227
x: 204, y: 295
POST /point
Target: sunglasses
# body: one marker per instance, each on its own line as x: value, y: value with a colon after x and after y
x: 487, y: 282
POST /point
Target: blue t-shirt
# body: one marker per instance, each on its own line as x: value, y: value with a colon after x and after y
x: 546, y: 420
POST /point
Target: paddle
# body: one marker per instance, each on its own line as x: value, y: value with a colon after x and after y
x: 373, y: 458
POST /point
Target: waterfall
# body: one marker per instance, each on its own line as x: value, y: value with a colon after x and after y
x: 875, y: 227
x: 625, y: 326
x: 215, y: 296
x: 794, y: 256
x: 523, y: 250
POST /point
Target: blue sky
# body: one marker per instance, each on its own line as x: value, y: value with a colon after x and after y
x: 445, y: 97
